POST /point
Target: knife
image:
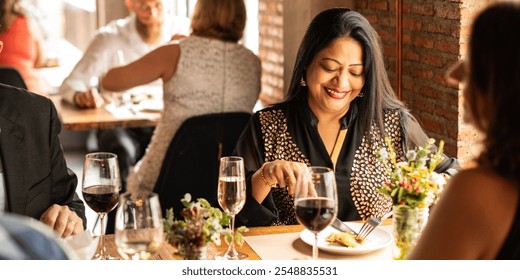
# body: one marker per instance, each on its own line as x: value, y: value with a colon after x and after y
x: 339, y: 225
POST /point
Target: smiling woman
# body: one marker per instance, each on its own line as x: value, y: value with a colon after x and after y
x: 338, y: 109
x: 335, y: 78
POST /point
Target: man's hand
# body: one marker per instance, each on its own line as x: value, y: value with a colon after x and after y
x: 89, y: 99
x: 64, y: 221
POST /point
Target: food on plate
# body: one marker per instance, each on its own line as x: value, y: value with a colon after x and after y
x: 137, y: 98
x: 346, y: 239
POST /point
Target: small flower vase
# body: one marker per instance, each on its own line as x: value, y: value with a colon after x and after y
x: 408, y: 224
x: 192, y: 251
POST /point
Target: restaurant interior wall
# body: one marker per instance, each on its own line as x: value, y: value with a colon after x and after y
x: 434, y: 37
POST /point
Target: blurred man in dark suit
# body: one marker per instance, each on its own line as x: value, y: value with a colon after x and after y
x: 34, y: 178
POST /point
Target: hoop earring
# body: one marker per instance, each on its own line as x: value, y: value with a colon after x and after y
x: 361, y: 94
x: 302, y: 82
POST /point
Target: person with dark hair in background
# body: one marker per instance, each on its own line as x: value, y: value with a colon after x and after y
x: 478, y: 216
x: 34, y: 178
x: 339, y: 107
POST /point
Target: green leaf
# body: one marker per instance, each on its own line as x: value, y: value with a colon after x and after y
x: 228, y: 238
x: 400, y: 194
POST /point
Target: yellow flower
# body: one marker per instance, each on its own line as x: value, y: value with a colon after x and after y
x: 413, y: 182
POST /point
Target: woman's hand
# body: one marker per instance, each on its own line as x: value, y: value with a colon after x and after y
x: 283, y: 173
x: 272, y: 173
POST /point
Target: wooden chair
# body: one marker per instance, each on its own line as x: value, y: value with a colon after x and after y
x: 192, y: 161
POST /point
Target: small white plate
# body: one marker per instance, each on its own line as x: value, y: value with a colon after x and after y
x: 378, y: 239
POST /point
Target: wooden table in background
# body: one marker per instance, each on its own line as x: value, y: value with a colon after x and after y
x: 73, y: 118
x: 167, y: 252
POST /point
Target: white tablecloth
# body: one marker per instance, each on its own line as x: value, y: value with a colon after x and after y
x: 289, y: 246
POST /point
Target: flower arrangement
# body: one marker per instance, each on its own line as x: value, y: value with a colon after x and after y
x: 412, y: 183
x: 413, y: 186
x: 200, y: 224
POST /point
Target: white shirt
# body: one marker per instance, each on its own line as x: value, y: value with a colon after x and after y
x: 118, y: 38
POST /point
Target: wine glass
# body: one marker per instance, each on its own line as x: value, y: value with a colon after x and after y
x: 316, y: 201
x: 231, y: 197
x: 139, y: 225
x: 101, y: 187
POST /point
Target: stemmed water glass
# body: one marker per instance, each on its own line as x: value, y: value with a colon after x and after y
x: 139, y: 225
x: 231, y: 197
x: 316, y: 201
x: 101, y: 187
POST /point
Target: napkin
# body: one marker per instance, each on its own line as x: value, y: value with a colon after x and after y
x: 83, y: 244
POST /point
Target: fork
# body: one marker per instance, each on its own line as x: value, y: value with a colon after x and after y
x: 369, y: 226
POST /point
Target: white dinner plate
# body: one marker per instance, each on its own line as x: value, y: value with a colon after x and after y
x: 378, y: 239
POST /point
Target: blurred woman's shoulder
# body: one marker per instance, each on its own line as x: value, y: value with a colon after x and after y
x: 24, y: 238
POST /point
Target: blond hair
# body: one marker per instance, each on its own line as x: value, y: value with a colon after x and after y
x: 221, y: 19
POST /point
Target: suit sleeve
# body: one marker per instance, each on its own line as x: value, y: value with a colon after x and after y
x: 64, y: 180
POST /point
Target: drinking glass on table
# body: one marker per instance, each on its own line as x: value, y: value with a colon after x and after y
x: 139, y: 225
x: 101, y: 187
x: 316, y: 201
x: 231, y: 197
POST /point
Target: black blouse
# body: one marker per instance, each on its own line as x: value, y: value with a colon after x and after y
x: 288, y: 131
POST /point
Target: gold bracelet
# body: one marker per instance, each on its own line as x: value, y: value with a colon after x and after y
x: 263, y: 177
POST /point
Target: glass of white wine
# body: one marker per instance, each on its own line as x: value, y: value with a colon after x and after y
x: 139, y: 225
x: 231, y: 197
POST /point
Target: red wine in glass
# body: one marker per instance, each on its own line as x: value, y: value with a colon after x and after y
x: 101, y: 187
x: 101, y: 198
x: 316, y: 201
x: 315, y: 214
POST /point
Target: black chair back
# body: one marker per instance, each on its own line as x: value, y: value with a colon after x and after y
x: 192, y: 161
x: 11, y: 76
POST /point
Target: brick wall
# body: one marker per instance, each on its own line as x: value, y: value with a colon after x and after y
x: 468, y: 138
x: 430, y: 44
x: 434, y: 36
